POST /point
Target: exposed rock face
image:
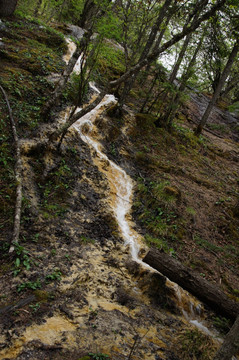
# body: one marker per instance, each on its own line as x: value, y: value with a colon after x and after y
x: 219, y: 118
x: 7, y: 7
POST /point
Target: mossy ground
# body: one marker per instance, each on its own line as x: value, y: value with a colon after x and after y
x: 186, y: 190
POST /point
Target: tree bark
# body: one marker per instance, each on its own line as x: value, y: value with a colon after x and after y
x: 176, y: 67
x: 230, y: 345
x: 192, y: 282
x: 7, y: 7
x: 152, y: 36
x: 219, y: 87
x: 167, y: 119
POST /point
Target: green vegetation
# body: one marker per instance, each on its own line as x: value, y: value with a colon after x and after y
x: 22, y: 259
x: 86, y: 240
x: 33, y: 285
x: 55, y: 275
x: 109, y: 64
x: 222, y: 324
x: 193, y: 344
x: 99, y: 356
x: 154, y: 206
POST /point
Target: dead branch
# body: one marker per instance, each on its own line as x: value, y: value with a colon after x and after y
x: 18, y: 177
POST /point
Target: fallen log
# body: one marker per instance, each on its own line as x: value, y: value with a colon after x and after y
x: 205, y: 291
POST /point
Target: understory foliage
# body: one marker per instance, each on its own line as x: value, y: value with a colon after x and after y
x: 194, y: 345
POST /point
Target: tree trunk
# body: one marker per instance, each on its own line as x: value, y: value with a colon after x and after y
x: 230, y: 345
x: 38, y: 6
x: 18, y: 177
x: 7, y: 7
x: 216, y: 94
x: 61, y: 131
x: 174, y: 72
x: 55, y: 96
x: 152, y: 36
x: 172, y: 108
x: 192, y: 282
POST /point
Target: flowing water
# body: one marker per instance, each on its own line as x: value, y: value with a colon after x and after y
x: 120, y: 201
x: 121, y: 194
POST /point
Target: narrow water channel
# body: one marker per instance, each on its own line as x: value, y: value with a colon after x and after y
x: 120, y: 200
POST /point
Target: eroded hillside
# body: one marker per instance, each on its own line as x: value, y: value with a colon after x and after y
x: 71, y: 289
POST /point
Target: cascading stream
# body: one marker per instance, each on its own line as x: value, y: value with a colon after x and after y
x: 121, y: 185
x: 120, y: 199
x: 121, y: 193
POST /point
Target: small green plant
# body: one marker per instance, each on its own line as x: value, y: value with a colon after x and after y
x: 113, y: 149
x: 35, y: 238
x: 160, y: 243
x: 87, y: 240
x: 22, y: 259
x: 191, y: 211
x: 34, y: 307
x: 53, y: 252
x: 55, y: 275
x: 222, y: 324
x: 99, y: 356
x: 29, y: 285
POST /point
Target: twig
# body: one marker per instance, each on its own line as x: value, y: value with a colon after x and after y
x: 136, y: 339
x: 18, y: 177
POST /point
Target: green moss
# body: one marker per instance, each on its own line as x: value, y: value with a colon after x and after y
x: 144, y: 121
x: 109, y: 64
x: 42, y: 295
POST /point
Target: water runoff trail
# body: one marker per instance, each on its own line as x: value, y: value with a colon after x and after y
x: 120, y: 200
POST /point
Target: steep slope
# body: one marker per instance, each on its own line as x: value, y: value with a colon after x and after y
x: 72, y: 287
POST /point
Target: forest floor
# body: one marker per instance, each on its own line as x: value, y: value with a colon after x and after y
x: 71, y: 288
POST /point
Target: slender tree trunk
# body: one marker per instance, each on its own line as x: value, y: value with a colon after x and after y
x: 7, y: 7
x: 89, y: 10
x: 149, y: 93
x: 157, y: 43
x: 154, y: 30
x: 55, y: 96
x: 152, y: 36
x: 219, y: 87
x: 176, y: 67
x: 230, y: 345
x: 172, y: 108
x: 38, y: 6
x: 18, y: 177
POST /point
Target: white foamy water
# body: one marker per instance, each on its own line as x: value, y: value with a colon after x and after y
x: 121, y: 184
